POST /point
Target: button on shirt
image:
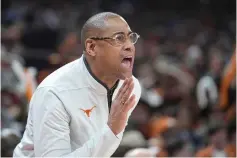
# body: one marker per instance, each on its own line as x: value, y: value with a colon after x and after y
x: 68, y: 115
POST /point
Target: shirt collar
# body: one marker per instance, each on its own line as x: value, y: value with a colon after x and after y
x: 94, y: 82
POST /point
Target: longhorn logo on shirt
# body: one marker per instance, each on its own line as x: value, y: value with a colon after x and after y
x: 88, y: 111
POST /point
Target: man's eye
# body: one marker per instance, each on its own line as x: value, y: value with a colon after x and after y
x: 120, y: 38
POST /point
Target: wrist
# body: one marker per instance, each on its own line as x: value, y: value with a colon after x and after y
x: 111, y: 128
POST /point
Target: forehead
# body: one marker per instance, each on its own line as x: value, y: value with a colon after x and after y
x: 115, y: 25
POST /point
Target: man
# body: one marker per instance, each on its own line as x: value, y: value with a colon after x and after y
x: 82, y: 108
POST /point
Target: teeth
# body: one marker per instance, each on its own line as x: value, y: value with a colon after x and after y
x: 129, y: 57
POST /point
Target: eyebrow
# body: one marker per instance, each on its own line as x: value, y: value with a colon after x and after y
x: 121, y: 32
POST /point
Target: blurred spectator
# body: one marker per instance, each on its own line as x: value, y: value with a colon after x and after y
x: 9, y: 140
x: 180, y: 148
x: 218, y: 143
x: 231, y: 147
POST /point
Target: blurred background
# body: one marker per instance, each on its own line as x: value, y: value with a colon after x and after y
x: 185, y: 62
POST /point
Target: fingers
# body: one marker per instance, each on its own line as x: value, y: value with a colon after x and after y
x: 128, y: 92
x: 121, y: 88
x: 130, y: 103
x: 126, y: 85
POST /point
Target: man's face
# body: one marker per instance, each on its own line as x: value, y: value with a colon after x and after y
x: 116, y: 58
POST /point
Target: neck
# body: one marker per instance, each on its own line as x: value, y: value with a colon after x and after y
x: 100, y: 74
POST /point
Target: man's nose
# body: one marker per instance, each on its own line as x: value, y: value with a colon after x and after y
x: 129, y: 46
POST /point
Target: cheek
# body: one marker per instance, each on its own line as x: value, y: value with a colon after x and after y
x: 114, y: 55
x: 110, y: 56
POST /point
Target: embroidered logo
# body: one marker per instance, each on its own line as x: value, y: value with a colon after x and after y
x: 88, y: 111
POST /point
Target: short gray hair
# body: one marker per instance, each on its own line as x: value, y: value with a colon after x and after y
x: 94, y: 25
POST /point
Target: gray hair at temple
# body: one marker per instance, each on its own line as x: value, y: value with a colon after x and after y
x: 95, y: 25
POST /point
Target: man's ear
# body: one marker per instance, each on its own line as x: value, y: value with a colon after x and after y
x: 90, y: 47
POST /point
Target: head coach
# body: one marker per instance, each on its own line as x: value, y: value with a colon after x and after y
x: 82, y: 109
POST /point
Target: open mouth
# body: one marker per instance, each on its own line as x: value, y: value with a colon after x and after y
x: 127, y: 61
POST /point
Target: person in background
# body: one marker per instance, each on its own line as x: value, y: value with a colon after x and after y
x: 231, y: 147
x: 217, y: 143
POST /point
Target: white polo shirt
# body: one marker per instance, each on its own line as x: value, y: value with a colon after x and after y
x: 58, y: 125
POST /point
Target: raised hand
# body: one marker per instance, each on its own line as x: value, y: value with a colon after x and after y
x: 120, y: 107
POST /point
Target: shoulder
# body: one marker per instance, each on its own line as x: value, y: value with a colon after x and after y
x: 48, y: 94
x: 45, y: 100
x: 68, y: 77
